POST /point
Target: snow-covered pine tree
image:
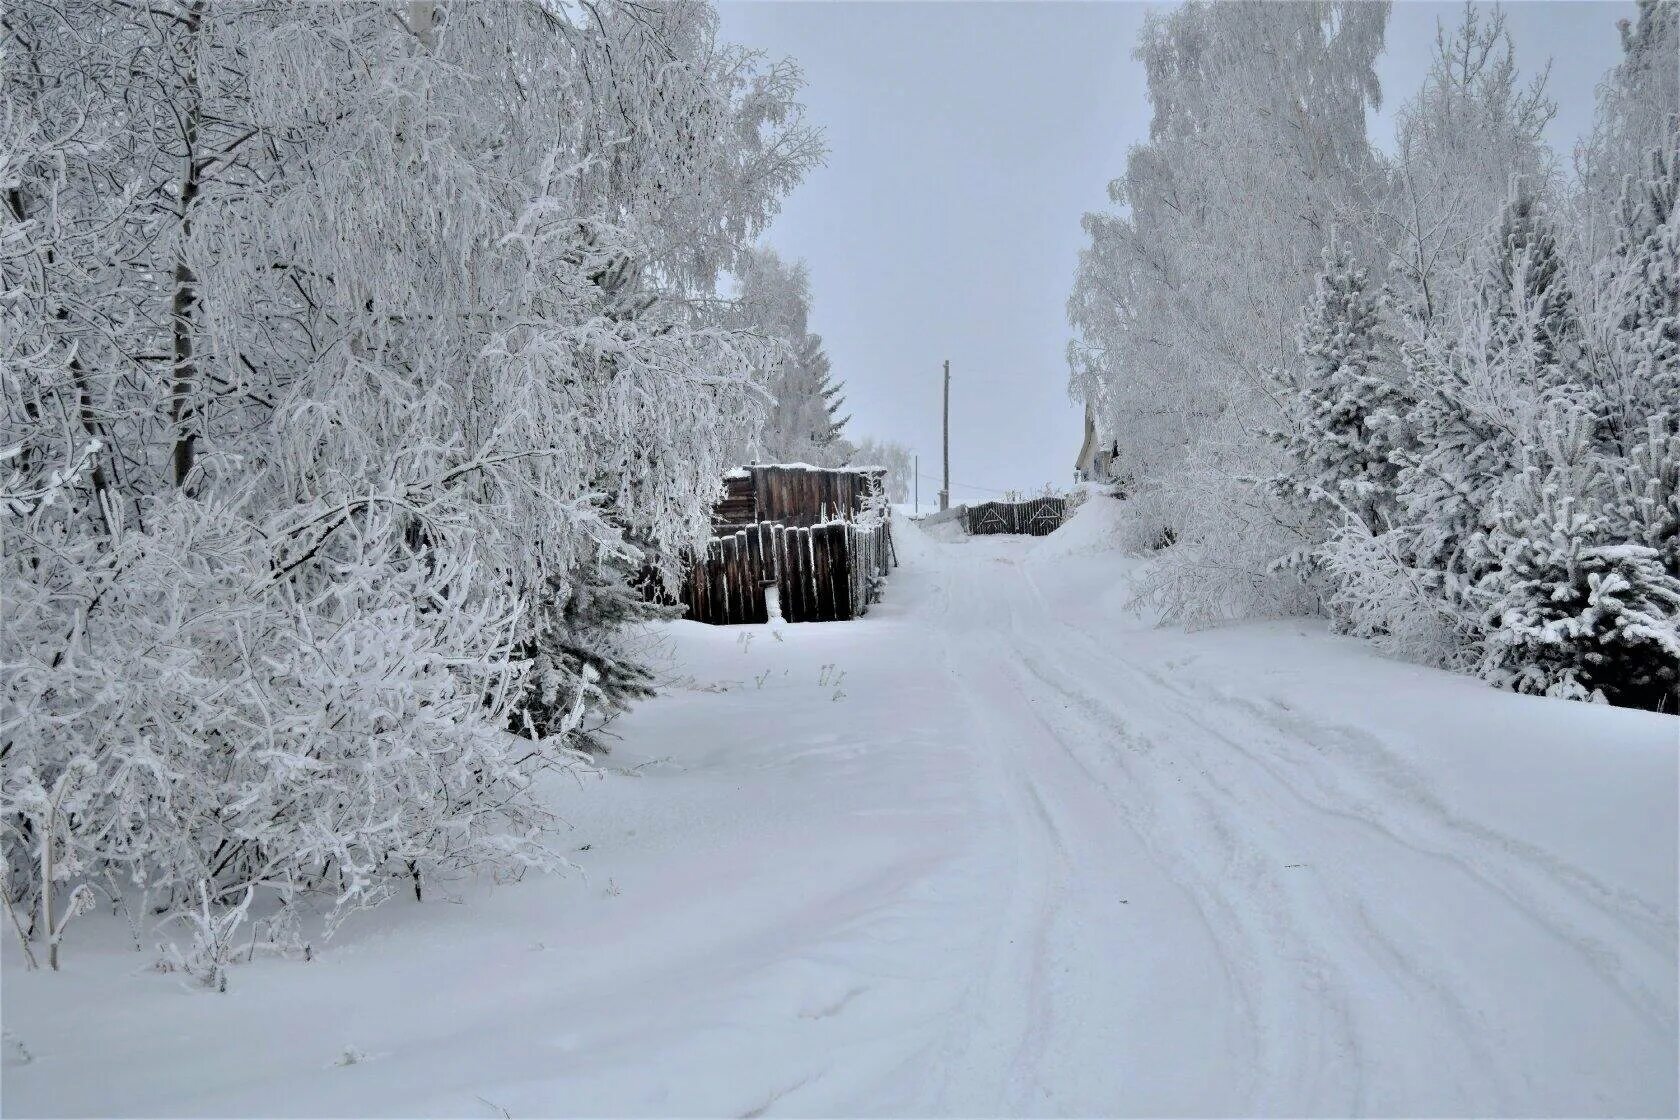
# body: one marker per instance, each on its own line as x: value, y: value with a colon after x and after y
x: 1573, y: 606
x: 582, y: 673
x: 583, y: 670
x: 1343, y: 405
x: 806, y: 424
x: 1637, y: 103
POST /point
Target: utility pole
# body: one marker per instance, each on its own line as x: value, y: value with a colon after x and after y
x: 945, y: 494
x: 916, y: 481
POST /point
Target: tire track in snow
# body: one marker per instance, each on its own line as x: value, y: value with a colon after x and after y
x: 1014, y: 975
x: 1270, y: 954
x: 1542, y: 888
x: 1402, y: 810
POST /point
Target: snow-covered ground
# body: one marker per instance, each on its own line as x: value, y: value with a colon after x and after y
x: 1001, y: 847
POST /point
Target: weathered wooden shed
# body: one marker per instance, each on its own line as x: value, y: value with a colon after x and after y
x: 796, y: 494
x: 822, y: 537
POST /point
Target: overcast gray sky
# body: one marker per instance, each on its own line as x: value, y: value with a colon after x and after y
x: 966, y: 141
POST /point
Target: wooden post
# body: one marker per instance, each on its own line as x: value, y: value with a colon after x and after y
x: 838, y: 574
x: 793, y: 574
x: 822, y: 572
x: 784, y: 593
x: 945, y: 493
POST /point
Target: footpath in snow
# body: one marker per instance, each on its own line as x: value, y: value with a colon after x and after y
x: 999, y: 848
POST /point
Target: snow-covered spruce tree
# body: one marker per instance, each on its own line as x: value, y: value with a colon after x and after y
x: 806, y: 424
x: 1645, y: 490
x: 364, y: 406
x: 1574, y: 608
x: 1343, y: 406
x: 581, y: 672
x: 1526, y: 292
x: 1633, y: 314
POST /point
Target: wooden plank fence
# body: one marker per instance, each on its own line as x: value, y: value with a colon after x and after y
x: 809, y: 496
x: 831, y: 572
x: 726, y: 586
x: 821, y: 535
x: 1035, y: 517
x: 822, y: 573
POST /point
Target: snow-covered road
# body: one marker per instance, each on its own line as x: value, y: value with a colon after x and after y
x: 1000, y: 848
x: 1230, y: 903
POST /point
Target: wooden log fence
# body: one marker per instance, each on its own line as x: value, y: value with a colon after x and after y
x: 822, y: 573
x: 1035, y: 517
x: 726, y: 586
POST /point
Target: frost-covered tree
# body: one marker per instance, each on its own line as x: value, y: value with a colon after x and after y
x: 804, y: 424
x: 1479, y: 382
x: 1526, y: 293
x: 1633, y: 315
x: 895, y: 458
x: 1574, y: 608
x: 1344, y: 410
x: 1458, y: 141
x: 1478, y: 466
x: 362, y: 348
x: 1192, y: 284
x: 1636, y: 103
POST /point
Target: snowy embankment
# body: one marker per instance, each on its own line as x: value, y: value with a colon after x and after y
x: 999, y: 847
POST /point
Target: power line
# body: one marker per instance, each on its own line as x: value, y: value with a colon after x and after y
x: 964, y: 485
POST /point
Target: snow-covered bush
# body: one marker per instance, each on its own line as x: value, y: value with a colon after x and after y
x: 211, y: 948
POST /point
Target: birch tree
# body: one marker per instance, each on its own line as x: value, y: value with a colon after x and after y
x: 362, y: 342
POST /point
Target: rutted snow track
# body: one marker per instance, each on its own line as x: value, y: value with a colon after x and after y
x: 1339, y: 940
x: 1000, y: 848
x: 1368, y: 941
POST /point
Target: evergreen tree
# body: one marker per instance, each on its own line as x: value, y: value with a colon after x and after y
x: 804, y: 424
x: 1526, y: 293
x: 1637, y: 103
x: 582, y: 672
x: 1342, y: 409
x: 1635, y: 336
x: 1514, y: 344
x: 1575, y: 608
